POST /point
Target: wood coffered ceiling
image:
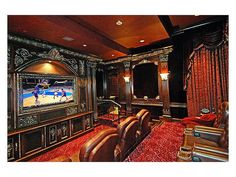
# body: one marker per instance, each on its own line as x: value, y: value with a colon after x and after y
x: 101, y: 35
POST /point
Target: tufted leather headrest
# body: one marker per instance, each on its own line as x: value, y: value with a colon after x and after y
x: 121, y: 127
x: 89, y: 146
x: 140, y: 113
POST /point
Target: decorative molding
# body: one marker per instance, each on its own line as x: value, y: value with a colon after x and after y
x: 71, y: 110
x: 9, y: 80
x: 52, y: 134
x: 44, y: 45
x: 163, y: 58
x: 91, y: 64
x: 153, y: 53
x: 8, y: 56
x: 82, y: 107
x: 10, y: 149
x: 9, y: 126
x: 21, y: 56
x: 24, y: 58
x: 144, y: 61
x: 81, y: 68
x: 27, y: 121
x: 64, y: 128
x: 126, y: 64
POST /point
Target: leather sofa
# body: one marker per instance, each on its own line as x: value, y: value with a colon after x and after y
x: 100, y: 148
x: 127, y: 131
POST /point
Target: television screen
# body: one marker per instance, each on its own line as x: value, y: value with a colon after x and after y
x: 45, y: 90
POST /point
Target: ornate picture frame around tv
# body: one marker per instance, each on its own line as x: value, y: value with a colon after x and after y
x: 45, y: 92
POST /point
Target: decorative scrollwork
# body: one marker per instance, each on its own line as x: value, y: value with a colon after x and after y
x: 163, y: 58
x: 71, y: 110
x: 27, y: 121
x: 81, y: 68
x: 8, y: 56
x: 21, y: 56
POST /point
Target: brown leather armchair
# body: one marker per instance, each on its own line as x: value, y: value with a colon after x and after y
x: 100, y: 148
x: 144, y: 127
x: 127, y: 137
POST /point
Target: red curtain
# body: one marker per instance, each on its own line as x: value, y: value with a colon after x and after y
x: 207, y: 78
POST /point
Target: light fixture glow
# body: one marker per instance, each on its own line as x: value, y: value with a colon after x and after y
x: 119, y: 23
x: 142, y: 41
x: 84, y: 45
x: 66, y: 38
x: 49, y: 61
x: 112, y: 55
x: 164, y: 76
x: 126, y: 78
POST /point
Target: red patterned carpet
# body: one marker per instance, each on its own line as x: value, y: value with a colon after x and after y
x: 161, y: 145
x: 69, y: 148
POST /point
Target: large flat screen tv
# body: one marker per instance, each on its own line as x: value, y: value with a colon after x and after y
x: 39, y: 92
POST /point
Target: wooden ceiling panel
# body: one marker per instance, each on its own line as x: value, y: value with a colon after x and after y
x: 183, y: 21
x: 102, y: 36
x: 133, y: 29
x: 53, y: 29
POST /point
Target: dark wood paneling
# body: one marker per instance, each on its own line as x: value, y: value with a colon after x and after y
x: 32, y: 141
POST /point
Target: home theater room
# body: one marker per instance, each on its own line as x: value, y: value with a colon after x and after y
x: 117, y: 88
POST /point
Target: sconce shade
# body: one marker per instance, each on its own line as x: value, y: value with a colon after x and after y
x: 126, y: 78
x: 164, y: 76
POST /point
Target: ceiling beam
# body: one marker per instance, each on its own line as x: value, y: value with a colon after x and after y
x: 202, y: 23
x: 100, y: 36
x: 165, y: 20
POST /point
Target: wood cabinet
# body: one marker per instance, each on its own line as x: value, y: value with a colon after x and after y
x: 57, y: 132
x: 26, y: 143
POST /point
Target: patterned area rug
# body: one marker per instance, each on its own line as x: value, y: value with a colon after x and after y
x: 161, y: 145
x: 68, y: 148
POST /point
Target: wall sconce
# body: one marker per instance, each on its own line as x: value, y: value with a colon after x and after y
x: 126, y: 78
x: 164, y: 76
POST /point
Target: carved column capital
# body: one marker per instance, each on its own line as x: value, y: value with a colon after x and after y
x: 163, y: 58
x: 126, y: 64
x: 91, y: 64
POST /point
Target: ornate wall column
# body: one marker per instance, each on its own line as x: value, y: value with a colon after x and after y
x: 92, y: 91
x: 165, y: 96
x: 127, y: 87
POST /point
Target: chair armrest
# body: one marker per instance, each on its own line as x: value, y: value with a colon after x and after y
x: 212, y: 135
x: 218, y: 150
x: 199, y: 127
x: 199, y: 155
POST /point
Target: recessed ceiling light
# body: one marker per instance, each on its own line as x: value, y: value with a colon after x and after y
x: 142, y: 40
x: 196, y: 15
x: 119, y: 23
x: 49, y: 61
x: 66, y: 38
x: 84, y: 45
x: 112, y: 55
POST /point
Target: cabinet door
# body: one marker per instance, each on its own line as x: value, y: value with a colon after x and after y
x: 32, y: 141
x: 13, y: 148
x: 77, y: 125
x: 87, y: 122
x: 64, y: 130
x: 52, y: 134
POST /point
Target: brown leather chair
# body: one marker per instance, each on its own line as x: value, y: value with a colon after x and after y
x: 144, y: 127
x: 100, y: 148
x: 127, y: 137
